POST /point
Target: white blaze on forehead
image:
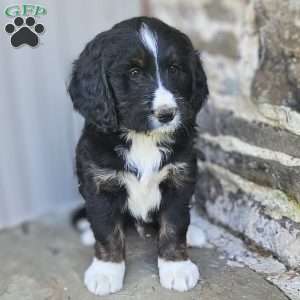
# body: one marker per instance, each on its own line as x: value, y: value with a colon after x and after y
x: 162, y: 96
x: 149, y: 39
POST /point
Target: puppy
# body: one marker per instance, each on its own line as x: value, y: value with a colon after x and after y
x: 139, y: 87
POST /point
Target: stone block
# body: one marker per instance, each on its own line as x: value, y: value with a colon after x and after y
x: 241, y: 211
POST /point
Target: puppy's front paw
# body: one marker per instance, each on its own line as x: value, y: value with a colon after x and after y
x: 178, y: 275
x: 102, y: 278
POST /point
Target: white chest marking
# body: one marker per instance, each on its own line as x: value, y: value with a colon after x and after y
x: 143, y: 191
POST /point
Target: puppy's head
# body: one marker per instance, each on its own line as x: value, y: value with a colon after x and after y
x: 141, y: 75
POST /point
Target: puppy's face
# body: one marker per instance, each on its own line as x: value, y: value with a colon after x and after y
x: 149, y: 78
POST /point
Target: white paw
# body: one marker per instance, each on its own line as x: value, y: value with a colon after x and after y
x: 195, y: 236
x: 86, y: 234
x: 102, y: 278
x: 87, y: 237
x: 178, y: 275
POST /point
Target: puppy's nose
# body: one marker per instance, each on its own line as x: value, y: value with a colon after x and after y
x: 165, y: 114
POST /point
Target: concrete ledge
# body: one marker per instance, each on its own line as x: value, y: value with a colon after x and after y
x: 225, y: 122
x: 225, y: 202
x: 278, y: 174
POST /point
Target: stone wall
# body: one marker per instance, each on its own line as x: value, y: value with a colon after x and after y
x: 249, y: 132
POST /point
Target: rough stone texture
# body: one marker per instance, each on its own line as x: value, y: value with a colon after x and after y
x: 225, y: 122
x: 251, y: 125
x: 239, y: 254
x: 45, y: 260
x: 191, y: 16
x: 262, y: 171
x: 277, y: 80
x: 224, y: 43
x: 248, y: 215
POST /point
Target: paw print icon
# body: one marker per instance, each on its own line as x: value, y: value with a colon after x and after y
x: 24, y: 31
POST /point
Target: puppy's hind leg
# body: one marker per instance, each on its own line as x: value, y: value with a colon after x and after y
x: 82, y: 225
x: 195, y: 236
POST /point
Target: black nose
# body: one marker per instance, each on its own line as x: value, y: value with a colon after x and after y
x: 165, y: 114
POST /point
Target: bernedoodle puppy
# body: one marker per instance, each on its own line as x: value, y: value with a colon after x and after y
x: 139, y: 87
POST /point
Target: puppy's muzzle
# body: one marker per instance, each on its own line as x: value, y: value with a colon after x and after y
x: 165, y: 114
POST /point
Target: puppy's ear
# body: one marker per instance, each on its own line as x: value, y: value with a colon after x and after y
x: 200, y: 87
x: 89, y: 88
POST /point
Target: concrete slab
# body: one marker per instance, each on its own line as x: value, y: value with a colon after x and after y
x: 44, y: 260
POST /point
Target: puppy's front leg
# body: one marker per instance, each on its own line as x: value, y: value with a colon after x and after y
x: 106, y: 273
x: 176, y: 271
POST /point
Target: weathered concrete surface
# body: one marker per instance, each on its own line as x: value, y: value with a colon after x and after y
x: 240, y: 254
x: 225, y: 122
x: 248, y: 211
x: 263, y: 171
x: 45, y: 260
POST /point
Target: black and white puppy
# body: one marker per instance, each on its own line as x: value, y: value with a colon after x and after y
x: 139, y: 87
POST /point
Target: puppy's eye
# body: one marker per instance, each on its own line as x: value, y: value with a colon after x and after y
x: 134, y: 72
x: 173, y: 69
